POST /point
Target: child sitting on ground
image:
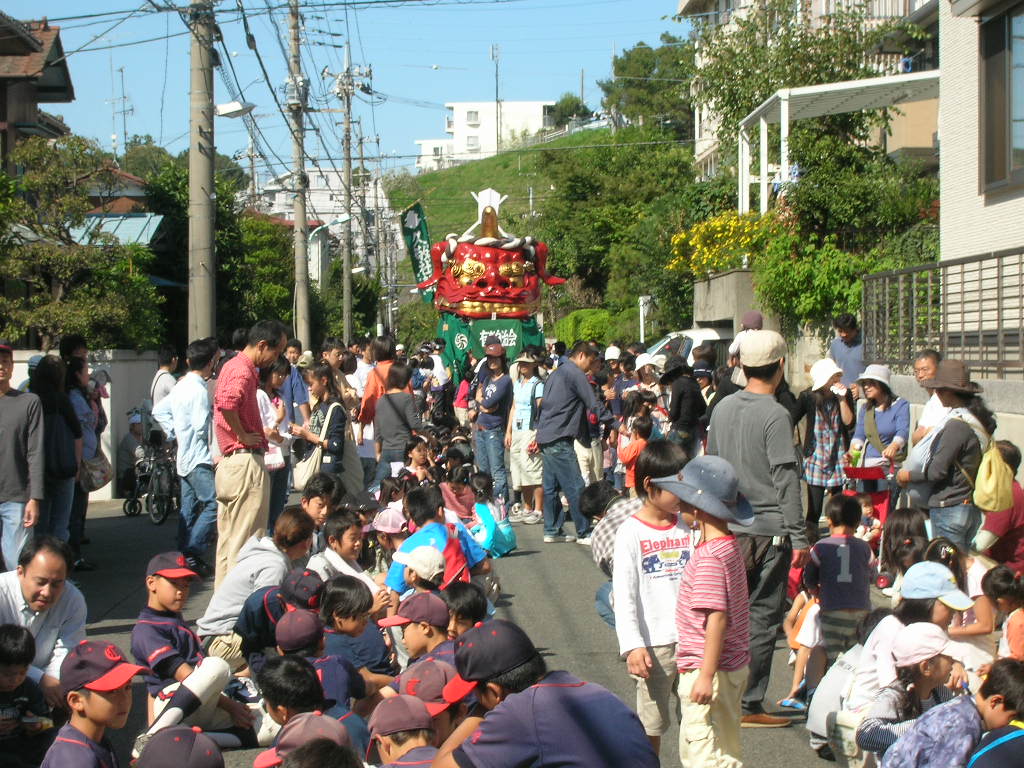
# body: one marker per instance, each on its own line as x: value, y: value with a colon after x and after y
x: 839, y: 572
x: 424, y: 570
x: 390, y: 530
x: 26, y: 730
x: 467, y: 606
x: 494, y: 532
x: 184, y: 685
x: 343, y: 532
x: 294, y: 700
x: 96, y: 683
x: 262, y: 562
x: 182, y: 747
x: 254, y: 630
x: 424, y: 621
x: 345, y: 611
x: 712, y: 613
x: 1004, y: 588
x: 631, y: 448
x: 301, y: 633
x: 318, y: 500
x: 426, y: 681
x: 402, y: 730
x: 561, y: 713
x: 922, y: 668
x: 946, y: 735
x: 652, y: 548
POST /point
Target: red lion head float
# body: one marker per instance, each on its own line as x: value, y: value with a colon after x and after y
x: 489, y: 275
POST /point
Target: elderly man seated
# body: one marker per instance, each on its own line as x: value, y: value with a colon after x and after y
x: 38, y: 596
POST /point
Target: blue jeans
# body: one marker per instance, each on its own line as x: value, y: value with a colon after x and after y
x: 384, y: 465
x: 15, y: 534
x: 198, y: 519
x: 562, y: 473
x: 278, y: 494
x: 958, y: 524
x: 55, y: 509
x: 490, y: 458
x: 603, y: 604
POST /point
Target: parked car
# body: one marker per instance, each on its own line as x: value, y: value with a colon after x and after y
x: 682, y: 343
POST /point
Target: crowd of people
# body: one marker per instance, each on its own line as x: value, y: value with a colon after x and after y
x: 358, y: 625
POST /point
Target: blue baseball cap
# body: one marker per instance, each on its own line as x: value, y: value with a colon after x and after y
x: 927, y: 580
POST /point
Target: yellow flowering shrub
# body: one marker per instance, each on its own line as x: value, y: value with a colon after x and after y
x: 721, y: 242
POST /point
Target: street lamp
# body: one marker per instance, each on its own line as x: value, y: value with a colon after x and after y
x: 235, y: 109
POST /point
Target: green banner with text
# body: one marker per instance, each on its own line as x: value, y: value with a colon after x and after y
x: 417, y: 242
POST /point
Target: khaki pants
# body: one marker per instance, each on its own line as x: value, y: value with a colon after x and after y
x: 591, y: 459
x: 709, y: 734
x: 243, y: 506
x: 229, y: 648
x: 654, y: 693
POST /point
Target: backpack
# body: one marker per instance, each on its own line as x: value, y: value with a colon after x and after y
x: 456, y: 567
x: 993, y: 485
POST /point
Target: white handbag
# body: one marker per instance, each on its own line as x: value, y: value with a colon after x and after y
x: 304, y: 470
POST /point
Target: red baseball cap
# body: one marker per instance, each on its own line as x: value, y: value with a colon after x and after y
x: 425, y: 606
x: 170, y: 565
x: 96, y: 666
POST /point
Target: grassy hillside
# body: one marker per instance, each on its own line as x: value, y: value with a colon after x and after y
x: 446, y: 198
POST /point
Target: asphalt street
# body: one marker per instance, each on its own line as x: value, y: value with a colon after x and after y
x: 548, y: 590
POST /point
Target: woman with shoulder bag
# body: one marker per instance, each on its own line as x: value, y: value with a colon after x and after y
x: 952, y: 465
x: 395, y: 420
x: 828, y: 406
x: 883, y: 423
x: 63, y: 446
x: 327, y: 421
x: 87, y: 410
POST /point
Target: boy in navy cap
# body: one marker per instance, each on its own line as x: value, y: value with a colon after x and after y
x: 302, y: 588
x: 302, y: 729
x: 426, y: 681
x: 96, y: 682
x: 571, y: 722
x: 181, y: 747
x: 424, y: 621
x: 712, y: 613
x: 183, y: 683
x: 402, y: 729
x: 301, y: 633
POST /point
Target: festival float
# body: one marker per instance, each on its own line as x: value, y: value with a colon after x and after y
x: 487, y: 283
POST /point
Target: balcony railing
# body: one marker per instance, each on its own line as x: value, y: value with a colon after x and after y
x: 969, y: 309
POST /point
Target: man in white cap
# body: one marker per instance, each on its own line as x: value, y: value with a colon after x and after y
x: 754, y: 433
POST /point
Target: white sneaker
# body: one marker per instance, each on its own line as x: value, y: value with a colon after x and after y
x: 569, y: 538
x: 532, y: 518
x: 585, y: 541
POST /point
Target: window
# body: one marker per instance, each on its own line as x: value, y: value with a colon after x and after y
x: 472, y: 116
x: 1002, y: 103
x: 473, y: 143
x: 437, y: 151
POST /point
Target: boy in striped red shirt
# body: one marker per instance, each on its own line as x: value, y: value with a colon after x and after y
x: 712, y: 614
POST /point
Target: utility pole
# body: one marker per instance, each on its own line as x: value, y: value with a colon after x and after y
x: 495, y: 56
x: 582, y: 100
x: 296, y: 102
x: 202, y: 259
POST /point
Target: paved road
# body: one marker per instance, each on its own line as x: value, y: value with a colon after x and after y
x: 548, y: 589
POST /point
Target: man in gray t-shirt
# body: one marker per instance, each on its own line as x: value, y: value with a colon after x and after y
x: 21, y: 461
x: 753, y: 433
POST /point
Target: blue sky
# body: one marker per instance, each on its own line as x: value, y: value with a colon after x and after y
x: 544, y: 44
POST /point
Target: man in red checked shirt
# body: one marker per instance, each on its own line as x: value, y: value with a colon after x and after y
x: 243, y: 491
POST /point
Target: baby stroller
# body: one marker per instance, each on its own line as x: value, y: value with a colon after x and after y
x: 156, y: 478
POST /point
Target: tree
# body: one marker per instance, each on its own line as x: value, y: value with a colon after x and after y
x: 569, y: 106
x: 71, y: 281
x: 651, y: 86
x: 143, y: 157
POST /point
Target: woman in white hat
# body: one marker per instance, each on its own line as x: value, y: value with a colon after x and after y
x: 883, y: 422
x: 828, y: 408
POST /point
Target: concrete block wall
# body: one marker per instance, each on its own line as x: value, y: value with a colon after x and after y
x: 131, y: 374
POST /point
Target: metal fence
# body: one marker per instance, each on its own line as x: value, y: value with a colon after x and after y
x: 970, y: 309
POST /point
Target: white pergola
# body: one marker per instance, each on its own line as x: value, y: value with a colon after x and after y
x: 789, y: 104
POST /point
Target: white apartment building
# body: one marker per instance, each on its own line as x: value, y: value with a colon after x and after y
x: 476, y: 129
x: 325, y: 204
x: 725, y: 12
